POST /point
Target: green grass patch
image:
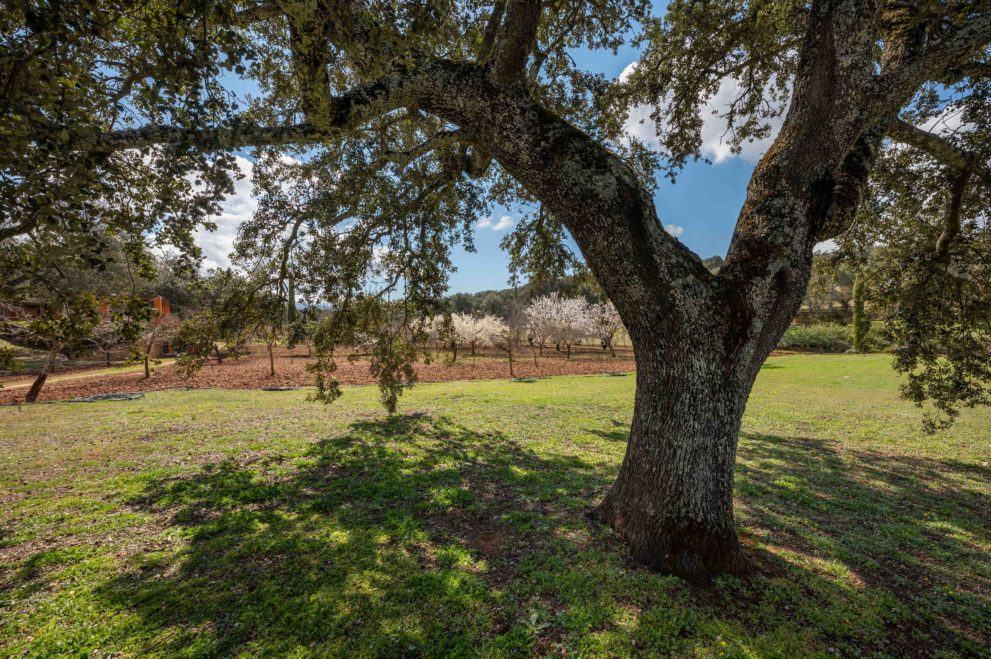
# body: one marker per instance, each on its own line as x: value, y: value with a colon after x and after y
x: 237, y: 523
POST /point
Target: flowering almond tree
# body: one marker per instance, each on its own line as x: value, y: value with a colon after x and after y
x: 572, y: 321
x: 473, y: 331
x: 412, y: 117
x: 541, y: 319
x: 605, y: 323
x: 439, y: 331
x: 508, y: 334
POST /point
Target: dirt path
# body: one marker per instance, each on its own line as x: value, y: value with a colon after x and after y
x: 251, y: 372
x: 16, y: 382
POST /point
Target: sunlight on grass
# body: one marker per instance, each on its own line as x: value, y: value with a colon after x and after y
x: 195, y: 523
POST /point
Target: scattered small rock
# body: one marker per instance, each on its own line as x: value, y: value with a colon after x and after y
x: 99, y: 398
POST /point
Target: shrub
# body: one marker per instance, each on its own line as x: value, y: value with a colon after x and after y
x: 821, y: 338
x: 832, y: 337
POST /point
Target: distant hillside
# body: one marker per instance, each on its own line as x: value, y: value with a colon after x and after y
x: 713, y: 263
x: 497, y: 301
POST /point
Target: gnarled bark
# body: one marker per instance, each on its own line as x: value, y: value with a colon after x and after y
x: 672, y: 502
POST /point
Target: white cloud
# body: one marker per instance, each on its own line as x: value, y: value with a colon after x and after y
x: 503, y: 223
x: 674, y: 229
x: 715, y: 138
x: 628, y: 71
x: 714, y: 127
x: 235, y: 209
x: 948, y: 122
x: 825, y: 247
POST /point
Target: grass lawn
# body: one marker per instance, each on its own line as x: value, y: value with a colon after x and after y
x: 255, y: 523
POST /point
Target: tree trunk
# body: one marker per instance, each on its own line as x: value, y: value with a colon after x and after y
x: 36, y: 386
x: 672, y: 502
x: 147, y: 367
x: 291, y: 311
x: 271, y: 362
x: 220, y: 357
x: 861, y: 323
x: 569, y: 350
x: 39, y: 381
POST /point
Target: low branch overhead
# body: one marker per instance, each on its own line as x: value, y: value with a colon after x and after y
x: 939, y: 148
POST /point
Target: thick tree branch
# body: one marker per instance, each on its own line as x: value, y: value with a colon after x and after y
x: 258, y: 12
x: 515, y: 41
x: 897, y: 86
x: 968, y: 70
x: 851, y: 185
x: 951, y: 214
x: 15, y: 230
x: 347, y: 111
x: 237, y: 135
x: 907, y: 27
x: 310, y: 57
x: 938, y: 148
x: 613, y: 220
x: 491, y: 31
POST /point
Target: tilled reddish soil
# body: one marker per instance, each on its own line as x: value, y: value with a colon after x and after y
x: 251, y: 372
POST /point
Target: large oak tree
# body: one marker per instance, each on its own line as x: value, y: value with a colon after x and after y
x: 406, y: 119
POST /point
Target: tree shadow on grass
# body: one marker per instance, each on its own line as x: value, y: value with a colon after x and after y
x: 901, y: 543
x: 413, y: 535
x: 618, y: 432
x: 388, y: 540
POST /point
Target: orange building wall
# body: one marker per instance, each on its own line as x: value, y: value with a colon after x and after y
x: 161, y: 306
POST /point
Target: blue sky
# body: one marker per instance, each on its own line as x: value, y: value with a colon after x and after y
x: 702, y: 205
x: 700, y: 209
